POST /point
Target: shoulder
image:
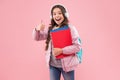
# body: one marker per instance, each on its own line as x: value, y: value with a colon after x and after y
x: 71, y: 26
x: 73, y: 29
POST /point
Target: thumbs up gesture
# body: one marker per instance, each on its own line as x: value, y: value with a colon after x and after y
x: 41, y: 26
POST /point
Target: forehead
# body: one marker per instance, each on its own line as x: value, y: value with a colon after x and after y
x: 56, y: 10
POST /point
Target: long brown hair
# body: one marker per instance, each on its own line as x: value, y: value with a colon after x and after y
x: 65, y: 22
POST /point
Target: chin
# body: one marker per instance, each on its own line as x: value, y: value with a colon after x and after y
x: 58, y: 23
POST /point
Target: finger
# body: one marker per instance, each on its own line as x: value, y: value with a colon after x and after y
x: 42, y: 22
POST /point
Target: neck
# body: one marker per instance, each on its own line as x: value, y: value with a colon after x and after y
x: 57, y: 25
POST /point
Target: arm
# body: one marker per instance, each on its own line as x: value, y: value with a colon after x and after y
x: 76, y: 46
x: 39, y: 34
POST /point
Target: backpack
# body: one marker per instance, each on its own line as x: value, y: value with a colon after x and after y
x: 79, y: 53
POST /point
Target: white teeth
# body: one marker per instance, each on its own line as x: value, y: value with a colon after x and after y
x: 58, y: 19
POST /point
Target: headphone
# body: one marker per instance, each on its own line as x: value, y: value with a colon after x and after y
x: 66, y: 11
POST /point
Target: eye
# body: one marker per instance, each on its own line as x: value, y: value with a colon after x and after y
x: 59, y: 13
x: 54, y: 13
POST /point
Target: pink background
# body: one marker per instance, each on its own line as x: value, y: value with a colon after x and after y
x: 98, y: 23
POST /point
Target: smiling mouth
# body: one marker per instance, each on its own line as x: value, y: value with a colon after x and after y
x: 58, y: 19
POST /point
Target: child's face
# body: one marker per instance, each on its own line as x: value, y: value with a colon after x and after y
x: 58, y: 16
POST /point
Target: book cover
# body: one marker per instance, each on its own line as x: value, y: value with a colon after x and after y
x: 61, y: 38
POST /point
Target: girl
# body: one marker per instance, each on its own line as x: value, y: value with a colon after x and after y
x: 66, y: 65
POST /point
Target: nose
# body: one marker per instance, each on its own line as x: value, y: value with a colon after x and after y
x: 57, y: 15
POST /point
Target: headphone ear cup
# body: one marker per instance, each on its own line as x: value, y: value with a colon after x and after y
x: 67, y: 15
x: 50, y: 16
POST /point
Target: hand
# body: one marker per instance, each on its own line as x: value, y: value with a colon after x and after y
x: 57, y: 51
x: 41, y: 26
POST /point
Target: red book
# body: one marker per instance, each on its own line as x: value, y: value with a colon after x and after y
x: 61, y: 38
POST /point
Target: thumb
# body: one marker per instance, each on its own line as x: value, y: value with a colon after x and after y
x: 42, y: 22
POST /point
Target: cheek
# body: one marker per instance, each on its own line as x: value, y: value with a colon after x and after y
x: 53, y: 18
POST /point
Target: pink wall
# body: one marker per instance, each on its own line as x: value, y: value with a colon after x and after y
x: 22, y: 58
